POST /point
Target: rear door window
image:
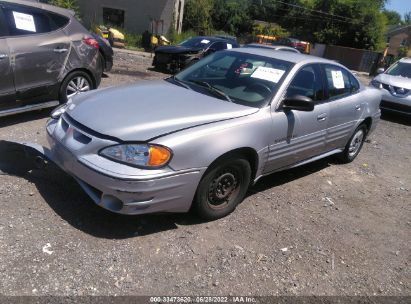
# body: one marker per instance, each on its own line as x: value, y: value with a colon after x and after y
x: 338, y: 81
x: 23, y: 20
x: 355, y: 85
x: 218, y: 46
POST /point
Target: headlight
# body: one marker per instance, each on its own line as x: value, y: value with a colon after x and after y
x: 376, y: 84
x: 60, y: 110
x: 139, y: 155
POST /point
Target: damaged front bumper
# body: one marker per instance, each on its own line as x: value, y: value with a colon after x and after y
x: 116, y: 187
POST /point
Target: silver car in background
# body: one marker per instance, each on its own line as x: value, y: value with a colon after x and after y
x: 202, y: 137
x: 395, y: 85
x: 283, y: 48
x: 46, y: 57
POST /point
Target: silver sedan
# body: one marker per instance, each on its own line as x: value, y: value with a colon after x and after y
x: 202, y: 137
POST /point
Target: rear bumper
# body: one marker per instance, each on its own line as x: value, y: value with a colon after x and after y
x: 126, y: 194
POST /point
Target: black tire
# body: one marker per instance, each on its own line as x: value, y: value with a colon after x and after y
x: 72, y: 76
x: 222, y: 188
x: 354, y: 145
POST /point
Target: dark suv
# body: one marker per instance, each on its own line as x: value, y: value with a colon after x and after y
x: 46, y: 57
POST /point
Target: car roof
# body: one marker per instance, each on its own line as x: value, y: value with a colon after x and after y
x: 271, y: 46
x: 214, y: 38
x: 286, y: 56
x: 47, y: 7
x: 406, y: 60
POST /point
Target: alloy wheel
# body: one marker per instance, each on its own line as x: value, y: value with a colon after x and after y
x: 77, y: 85
x: 356, y: 143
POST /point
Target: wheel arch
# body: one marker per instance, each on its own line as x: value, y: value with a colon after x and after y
x: 368, y: 124
x: 248, y: 153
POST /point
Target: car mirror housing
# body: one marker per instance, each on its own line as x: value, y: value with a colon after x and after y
x: 298, y: 103
x: 380, y: 71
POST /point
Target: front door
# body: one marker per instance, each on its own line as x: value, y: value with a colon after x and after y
x: 299, y: 135
x: 39, y: 50
x: 7, y: 91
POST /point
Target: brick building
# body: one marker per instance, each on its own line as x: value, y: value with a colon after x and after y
x: 399, y: 37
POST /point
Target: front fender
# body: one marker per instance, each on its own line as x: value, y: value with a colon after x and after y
x: 200, y: 146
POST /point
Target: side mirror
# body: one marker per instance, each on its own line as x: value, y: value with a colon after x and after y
x: 298, y: 103
x: 380, y: 71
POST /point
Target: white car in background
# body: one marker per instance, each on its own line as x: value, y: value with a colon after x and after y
x: 395, y: 84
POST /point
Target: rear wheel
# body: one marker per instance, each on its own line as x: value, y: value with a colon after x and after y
x: 354, y: 145
x: 222, y: 188
x: 75, y: 83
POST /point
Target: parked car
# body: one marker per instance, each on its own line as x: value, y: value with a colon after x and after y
x: 273, y: 47
x: 395, y: 85
x: 203, y: 136
x: 302, y: 46
x: 176, y: 57
x: 106, y: 52
x: 46, y: 57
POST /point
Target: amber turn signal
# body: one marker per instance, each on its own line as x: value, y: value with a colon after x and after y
x: 158, y: 156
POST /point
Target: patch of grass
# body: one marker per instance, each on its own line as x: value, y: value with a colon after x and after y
x: 132, y: 41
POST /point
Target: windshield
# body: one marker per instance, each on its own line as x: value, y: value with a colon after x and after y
x: 400, y: 69
x: 241, y: 78
x: 198, y: 42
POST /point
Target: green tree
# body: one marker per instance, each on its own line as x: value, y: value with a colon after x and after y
x: 393, y: 18
x: 358, y: 24
x: 68, y: 4
x: 231, y: 16
x: 197, y: 16
x: 407, y: 18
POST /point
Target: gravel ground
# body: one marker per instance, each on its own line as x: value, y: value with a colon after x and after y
x: 321, y: 229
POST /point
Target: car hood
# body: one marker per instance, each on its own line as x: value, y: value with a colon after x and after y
x: 397, y: 81
x: 149, y: 109
x: 176, y: 49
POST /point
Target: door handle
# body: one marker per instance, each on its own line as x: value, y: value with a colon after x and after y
x: 3, y: 56
x: 358, y: 107
x: 60, y: 50
x: 322, y: 117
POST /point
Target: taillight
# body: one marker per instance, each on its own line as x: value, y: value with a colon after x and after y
x: 91, y: 42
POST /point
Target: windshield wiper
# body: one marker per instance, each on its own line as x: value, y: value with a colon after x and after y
x: 211, y: 88
x: 179, y: 82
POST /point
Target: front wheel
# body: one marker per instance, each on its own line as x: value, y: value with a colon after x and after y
x: 222, y: 188
x: 354, y: 145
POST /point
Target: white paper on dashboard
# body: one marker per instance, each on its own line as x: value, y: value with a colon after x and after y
x: 24, y: 22
x: 270, y: 74
x: 229, y: 46
x: 338, y: 80
x: 205, y: 41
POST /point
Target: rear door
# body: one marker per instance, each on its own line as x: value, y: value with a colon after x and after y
x: 346, y: 107
x: 7, y: 91
x: 39, y: 50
